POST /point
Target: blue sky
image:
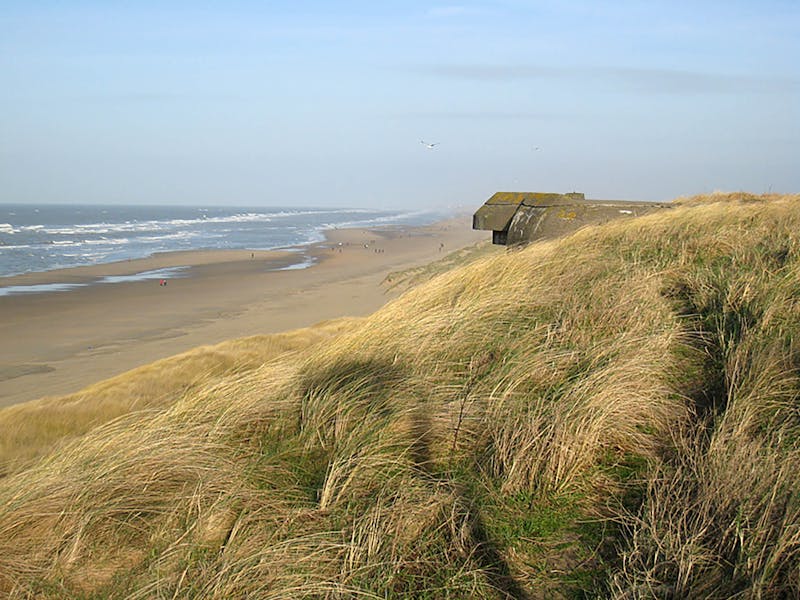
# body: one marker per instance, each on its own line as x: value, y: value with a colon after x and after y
x: 325, y: 103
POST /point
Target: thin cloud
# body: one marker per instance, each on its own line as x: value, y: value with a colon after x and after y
x: 656, y: 81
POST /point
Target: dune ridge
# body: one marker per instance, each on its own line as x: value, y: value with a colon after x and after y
x: 609, y: 414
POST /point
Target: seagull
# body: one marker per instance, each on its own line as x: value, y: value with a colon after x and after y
x: 428, y: 145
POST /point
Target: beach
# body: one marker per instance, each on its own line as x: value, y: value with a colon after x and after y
x: 57, y: 342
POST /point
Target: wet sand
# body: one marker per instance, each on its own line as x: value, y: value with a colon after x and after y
x: 56, y: 343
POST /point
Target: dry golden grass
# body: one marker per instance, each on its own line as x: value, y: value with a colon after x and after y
x: 403, y: 280
x: 34, y: 428
x: 733, y: 197
x: 611, y: 414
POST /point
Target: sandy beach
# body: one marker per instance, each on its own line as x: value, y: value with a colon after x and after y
x: 58, y: 342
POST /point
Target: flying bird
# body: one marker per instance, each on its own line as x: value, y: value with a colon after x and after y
x: 428, y: 145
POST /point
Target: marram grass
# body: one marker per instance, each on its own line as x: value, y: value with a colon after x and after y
x: 613, y: 414
x: 32, y: 428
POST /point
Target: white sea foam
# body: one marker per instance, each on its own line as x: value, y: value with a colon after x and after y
x: 383, y: 220
x: 107, y: 242
x: 181, y: 235
x: 255, y: 217
x: 251, y: 217
x: 154, y: 225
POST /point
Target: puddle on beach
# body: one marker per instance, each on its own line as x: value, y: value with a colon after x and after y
x: 307, y: 262
x: 168, y: 273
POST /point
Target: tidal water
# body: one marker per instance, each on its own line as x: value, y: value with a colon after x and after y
x: 44, y: 237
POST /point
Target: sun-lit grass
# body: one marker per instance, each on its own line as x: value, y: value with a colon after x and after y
x: 613, y: 414
x: 403, y: 280
x: 33, y: 428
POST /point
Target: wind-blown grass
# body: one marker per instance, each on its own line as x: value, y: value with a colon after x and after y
x: 33, y: 428
x: 611, y: 414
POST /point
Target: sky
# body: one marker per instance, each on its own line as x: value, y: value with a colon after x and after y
x: 312, y: 103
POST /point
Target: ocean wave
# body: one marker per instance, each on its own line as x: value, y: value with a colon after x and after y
x: 159, y: 225
x: 99, y: 235
x: 382, y: 220
x: 107, y: 242
x: 316, y: 212
x: 181, y: 235
x: 97, y: 229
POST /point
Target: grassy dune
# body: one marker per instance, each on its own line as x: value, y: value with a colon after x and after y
x: 34, y: 428
x: 613, y: 414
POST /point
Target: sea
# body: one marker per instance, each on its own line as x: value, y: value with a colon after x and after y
x: 35, y: 238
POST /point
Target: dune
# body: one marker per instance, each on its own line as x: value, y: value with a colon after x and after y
x: 610, y: 414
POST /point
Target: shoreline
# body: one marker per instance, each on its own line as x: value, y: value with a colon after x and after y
x: 161, y: 265
x: 91, y: 274
x: 66, y: 340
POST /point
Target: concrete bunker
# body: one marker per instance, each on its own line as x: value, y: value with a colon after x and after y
x: 522, y: 217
